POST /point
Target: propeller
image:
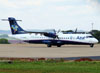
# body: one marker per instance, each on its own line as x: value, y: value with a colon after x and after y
x: 76, y: 30
x: 57, y: 34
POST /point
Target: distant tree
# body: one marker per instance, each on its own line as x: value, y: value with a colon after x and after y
x: 96, y: 34
x: 3, y: 35
x: 67, y: 31
x: 4, y: 41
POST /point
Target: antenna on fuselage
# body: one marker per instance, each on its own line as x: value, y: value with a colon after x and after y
x: 92, y: 25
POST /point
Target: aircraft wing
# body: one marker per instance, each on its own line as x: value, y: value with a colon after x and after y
x: 45, y: 33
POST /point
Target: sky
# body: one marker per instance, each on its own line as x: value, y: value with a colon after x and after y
x: 52, y: 14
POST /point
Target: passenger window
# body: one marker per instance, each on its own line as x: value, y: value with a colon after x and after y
x: 89, y: 37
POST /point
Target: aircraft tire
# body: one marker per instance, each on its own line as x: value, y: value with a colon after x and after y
x: 49, y: 45
x: 58, y: 45
x: 92, y: 45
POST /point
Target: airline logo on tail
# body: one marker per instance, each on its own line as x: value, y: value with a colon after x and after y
x: 14, y: 27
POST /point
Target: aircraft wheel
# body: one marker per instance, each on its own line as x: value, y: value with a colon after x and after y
x: 58, y: 45
x: 49, y: 45
x: 92, y: 45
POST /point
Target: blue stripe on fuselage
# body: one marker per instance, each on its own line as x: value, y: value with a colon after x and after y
x: 55, y: 42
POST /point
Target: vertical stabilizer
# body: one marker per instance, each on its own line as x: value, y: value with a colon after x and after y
x: 15, y: 28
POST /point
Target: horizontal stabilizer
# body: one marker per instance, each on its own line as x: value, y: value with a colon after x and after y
x: 8, y: 20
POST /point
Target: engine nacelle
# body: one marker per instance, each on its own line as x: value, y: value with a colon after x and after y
x: 52, y: 35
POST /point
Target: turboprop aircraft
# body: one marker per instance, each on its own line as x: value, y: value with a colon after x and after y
x: 49, y: 38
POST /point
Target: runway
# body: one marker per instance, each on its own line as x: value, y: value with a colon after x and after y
x: 38, y: 51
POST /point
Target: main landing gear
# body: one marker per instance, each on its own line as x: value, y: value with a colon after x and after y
x: 59, y: 45
x: 91, y: 45
x: 49, y: 45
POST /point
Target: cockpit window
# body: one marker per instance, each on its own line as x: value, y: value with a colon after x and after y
x: 89, y: 37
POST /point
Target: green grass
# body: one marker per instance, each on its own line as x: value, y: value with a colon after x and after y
x: 50, y: 67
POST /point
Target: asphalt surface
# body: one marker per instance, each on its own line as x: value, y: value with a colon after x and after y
x: 38, y: 51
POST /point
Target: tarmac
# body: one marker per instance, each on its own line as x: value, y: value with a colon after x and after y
x: 42, y: 51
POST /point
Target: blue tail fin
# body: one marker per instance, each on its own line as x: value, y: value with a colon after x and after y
x: 15, y: 28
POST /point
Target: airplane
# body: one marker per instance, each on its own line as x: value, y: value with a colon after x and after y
x: 49, y: 38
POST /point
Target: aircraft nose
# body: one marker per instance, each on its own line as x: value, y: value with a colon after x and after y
x: 96, y: 41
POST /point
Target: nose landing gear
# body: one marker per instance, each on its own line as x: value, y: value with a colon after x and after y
x: 91, y: 45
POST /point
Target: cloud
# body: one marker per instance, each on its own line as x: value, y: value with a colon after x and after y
x: 22, y: 3
x: 55, y: 0
x: 31, y: 2
x: 6, y: 3
x: 74, y: 10
x: 49, y: 12
x: 64, y: 0
x: 94, y: 3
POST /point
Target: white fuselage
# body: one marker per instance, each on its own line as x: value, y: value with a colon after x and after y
x: 76, y: 38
